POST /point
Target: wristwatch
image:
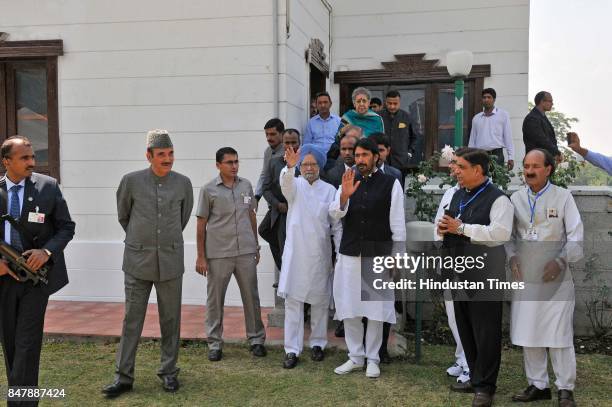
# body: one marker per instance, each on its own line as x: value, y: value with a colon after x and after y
x: 48, y: 252
x: 461, y: 229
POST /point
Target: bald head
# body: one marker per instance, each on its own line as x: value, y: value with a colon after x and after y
x: 539, y: 166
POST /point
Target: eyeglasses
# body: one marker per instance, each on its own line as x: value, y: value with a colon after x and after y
x: 235, y: 162
x: 310, y: 165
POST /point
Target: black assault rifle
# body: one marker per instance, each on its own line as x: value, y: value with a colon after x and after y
x: 18, y: 263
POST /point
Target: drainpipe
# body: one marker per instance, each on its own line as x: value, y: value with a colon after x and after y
x: 329, y: 39
x: 275, y: 62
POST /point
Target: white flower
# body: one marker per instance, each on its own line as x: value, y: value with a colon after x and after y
x: 448, y: 152
x: 422, y: 178
x: 564, y: 165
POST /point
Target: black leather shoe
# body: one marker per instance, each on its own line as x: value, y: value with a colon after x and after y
x: 482, y: 399
x: 566, y: 398
x: 116, y: 389
x: 215, y: 355
x: 171, y: 384
x: 317, y: 354
x: 532, y: 393
x: 384, y: 356
x: 259, y: 350
x: 291, y: 360
x: 462, y: 387
x: 339, y: 332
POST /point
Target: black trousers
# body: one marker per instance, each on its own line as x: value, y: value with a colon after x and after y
x: 22, y: 316
x: 270, y: 233
x: 499, y: 153
x: 480, y: 329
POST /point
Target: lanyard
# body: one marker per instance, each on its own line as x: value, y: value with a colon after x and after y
x: 535, y: 200
x: 462, y: 205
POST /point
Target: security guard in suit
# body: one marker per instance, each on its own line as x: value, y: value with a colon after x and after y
x: 36, y: 202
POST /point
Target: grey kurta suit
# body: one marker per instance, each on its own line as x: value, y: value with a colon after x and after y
x: 153, y: 211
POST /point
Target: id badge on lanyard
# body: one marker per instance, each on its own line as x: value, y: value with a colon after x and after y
x: 532, y: 232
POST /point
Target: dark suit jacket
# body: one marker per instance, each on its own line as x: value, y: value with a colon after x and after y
x: 271, y: 188
x: 394, y: 172
x: 54, y: 234
x: 399, y: 128
x: 334, y: 175
x: 539, y: 133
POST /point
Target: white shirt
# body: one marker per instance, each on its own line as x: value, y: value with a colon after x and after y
x: 9, y: 185
x: 498, y: 230
x: 492, y: 132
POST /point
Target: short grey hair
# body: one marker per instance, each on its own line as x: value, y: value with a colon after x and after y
x: 361, y: 91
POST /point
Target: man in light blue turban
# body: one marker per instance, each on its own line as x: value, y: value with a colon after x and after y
x: 317, y: 153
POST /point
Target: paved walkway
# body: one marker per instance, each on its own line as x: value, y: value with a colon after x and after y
x: 104, y: 320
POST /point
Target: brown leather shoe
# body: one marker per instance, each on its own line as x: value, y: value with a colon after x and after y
x: 482, y: 399
x: 532, y: 393
x: 462, y: 387
x: 566, y: 398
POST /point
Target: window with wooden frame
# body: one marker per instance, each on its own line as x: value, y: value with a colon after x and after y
x: 427, y: 94
x: 28, y: 98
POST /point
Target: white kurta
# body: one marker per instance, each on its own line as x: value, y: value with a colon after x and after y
x: 306, y: 271
x: 347, y: 275
x: 557, y: 221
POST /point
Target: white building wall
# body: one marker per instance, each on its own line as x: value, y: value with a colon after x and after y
x: 308, y: 19
x: 201, y: 69
x: 366, y: 33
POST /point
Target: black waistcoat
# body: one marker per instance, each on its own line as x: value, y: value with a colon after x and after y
x: 366, y: 228
x: 477, y: 212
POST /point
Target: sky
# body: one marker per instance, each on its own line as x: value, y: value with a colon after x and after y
x: 570, y: 55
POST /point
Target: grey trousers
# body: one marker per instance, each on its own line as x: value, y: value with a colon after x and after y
x: 169, y: 307
x: 220, y: 271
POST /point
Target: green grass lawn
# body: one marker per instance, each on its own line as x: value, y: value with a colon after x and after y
x: 241, y: 379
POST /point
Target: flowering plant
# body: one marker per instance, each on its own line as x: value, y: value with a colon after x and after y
x: 426, y: 205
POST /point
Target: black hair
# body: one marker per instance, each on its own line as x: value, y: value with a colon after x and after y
x: 489, y: 91
x: 376, y: 101
x: 293, y: 131
x: 393, y: 94
x: 380, y: 138
x: 540, y: 96
x: 223, y: 151
x: 367, y: 144
x: 7, y: 146
x: 319, y: 94
x: 549, y: 160
x: 475, y: 156
x: 275, y: 123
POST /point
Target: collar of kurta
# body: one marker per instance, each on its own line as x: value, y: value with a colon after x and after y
x: 476, y: 188
x: 370, y: 175
x: 157, y: 178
